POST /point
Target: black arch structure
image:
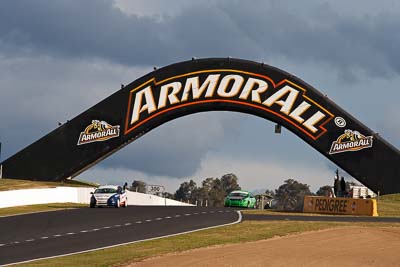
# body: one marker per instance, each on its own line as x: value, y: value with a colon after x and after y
x: 207, y: 85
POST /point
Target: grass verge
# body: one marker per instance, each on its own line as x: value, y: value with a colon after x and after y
x: 276, y: 212
x: 389, y: 205
x: 243, y: 232
x: 39, y: 208
x: 14, y: 184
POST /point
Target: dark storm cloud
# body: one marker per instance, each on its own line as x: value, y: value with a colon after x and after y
x: 71, y: 33
x: 260, y: 31
x: 176, y: 148
x: 77, y: 29
x: 37, y: 93
x: 318, y: 34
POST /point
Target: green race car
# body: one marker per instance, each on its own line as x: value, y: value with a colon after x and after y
x: 240, y: 199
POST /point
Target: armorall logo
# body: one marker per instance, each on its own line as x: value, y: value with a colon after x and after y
x: 285, y: 99
x: 98, y: 131
x: 351, y: 141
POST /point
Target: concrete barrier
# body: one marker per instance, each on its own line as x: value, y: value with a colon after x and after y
x: 81, y: 195
x: 348, y: 206
x: 141, y: 199
x: 24, y: 197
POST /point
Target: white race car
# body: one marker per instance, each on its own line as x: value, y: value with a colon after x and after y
x: 109, y: 195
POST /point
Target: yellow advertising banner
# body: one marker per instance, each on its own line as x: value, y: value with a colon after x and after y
x: 349, y: 206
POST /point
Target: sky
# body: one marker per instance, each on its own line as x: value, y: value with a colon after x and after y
x: 58, y: 58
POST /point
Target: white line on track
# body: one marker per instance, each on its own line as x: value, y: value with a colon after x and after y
x: 43, y: 211
x: 133, y: 242
x: 82, y: 231
x: 117, y: 225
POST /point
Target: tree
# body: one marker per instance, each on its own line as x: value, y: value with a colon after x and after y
x: 168, y: 195
x: 325, y: 190
x: 138, y: 186
x: 291, y: 194
x: 199, y: 194
x: 213, y: 190
x: 230, y: 183
x: 207, y: 184
x: 217, y: 194
x: 269, y: 192
x: 203, y: 192
x: 185, y: 191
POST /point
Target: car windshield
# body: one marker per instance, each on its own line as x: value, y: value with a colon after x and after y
x: 238, y: 194
x: 105, y: 191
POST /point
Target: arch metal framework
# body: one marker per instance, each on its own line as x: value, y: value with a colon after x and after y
x: 206, y: 85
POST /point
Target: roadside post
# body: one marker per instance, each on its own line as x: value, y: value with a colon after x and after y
x: 164, y: 194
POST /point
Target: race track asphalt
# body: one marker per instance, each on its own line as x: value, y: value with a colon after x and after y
x: 47, y: 234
